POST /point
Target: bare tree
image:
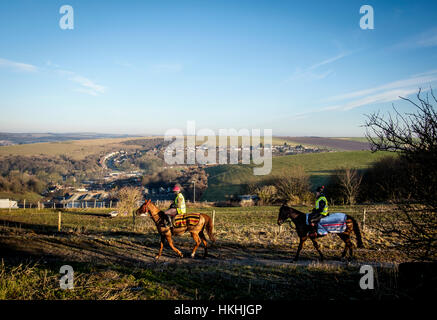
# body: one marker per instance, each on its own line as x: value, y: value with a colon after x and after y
x: 349, y: 181
x: 293, y: 185
x: 414, y: 137
x: 128, y: 199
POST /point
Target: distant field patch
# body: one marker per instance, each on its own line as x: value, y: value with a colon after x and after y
x: 343, y: 144
x: 76, y: 149
x: 228, y: 179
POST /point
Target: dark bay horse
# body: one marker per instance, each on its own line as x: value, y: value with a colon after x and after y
x: 303, y: 230
x: 166, y: 233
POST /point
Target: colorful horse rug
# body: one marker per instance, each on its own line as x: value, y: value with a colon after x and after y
x: 333, y: 223
x: 185, y: 220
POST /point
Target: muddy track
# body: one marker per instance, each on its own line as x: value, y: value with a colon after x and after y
x: 141, y: 251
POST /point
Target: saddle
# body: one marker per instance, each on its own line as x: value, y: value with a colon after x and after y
x: 333, y: 223
x: 185, y: 220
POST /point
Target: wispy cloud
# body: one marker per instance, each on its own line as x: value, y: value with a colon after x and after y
x: 428, y: 39
x: 310, y: 73
x: 328, y: 61
x: 17, y: 66
x: 425, y: 39
x: 384, y: 93
x: 88, y: 86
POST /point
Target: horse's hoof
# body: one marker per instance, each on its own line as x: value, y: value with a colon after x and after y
x: 192, y: 256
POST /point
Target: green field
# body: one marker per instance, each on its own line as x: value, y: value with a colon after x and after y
x: 227, y: 179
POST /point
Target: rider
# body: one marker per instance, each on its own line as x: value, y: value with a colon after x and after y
x: 177, y: 207
x: 320, y: 210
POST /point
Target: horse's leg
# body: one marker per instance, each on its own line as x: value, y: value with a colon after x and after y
x: 197, y: 239
x: 316, y: 245
x: 350, y: 245
x: 160, y: 248
x: 299, y: 248
x: 170, y: 242
x: 347, y: 244
x: 205, y: 243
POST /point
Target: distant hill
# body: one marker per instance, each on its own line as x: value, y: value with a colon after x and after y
x: 26, y: 138
x: 341, y: 144
x: 75, y: 149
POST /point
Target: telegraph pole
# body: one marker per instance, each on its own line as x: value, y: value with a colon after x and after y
x: 194, y: 190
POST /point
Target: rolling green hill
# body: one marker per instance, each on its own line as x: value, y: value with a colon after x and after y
x: 228, y: 179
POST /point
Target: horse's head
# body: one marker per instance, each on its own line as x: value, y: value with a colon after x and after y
x: 286, y: 212
x: 144, y: 209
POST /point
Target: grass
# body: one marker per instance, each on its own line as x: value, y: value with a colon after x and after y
x: 250, y: 259
x: 30, y: 197
x: 228, y: 179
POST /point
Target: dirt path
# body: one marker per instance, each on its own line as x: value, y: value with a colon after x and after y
x: 141, y: 251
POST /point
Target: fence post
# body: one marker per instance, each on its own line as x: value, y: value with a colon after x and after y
x: 24, y: 204
x: 59, y: 221
x: 95, y: 202
x: 364, y: 219
x: 38, y: 205
x: 110, y: 204
x: 133, y: 220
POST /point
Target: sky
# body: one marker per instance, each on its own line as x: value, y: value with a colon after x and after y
x: 300, y: 68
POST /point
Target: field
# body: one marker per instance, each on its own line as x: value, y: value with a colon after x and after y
x: 76, y: 149
x: 251, y: 259
x: 340, y: 144
x: 227, y: 179
x: 79, y: 149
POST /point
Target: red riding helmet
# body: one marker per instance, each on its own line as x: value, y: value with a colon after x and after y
x: 176, y: 188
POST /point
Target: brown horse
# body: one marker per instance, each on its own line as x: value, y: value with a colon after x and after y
x: 303, y: 230
x: 167, y: 233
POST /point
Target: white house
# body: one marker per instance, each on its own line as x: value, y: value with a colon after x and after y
x: 6, y: 204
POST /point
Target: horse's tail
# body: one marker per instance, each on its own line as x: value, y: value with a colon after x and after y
x: 357, y: 233
x: 209, y: 227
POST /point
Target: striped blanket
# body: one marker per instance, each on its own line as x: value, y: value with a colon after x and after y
x: 184, y: 220
x: 333, y: 223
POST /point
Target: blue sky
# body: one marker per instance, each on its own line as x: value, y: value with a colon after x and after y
x: 141, y: 67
